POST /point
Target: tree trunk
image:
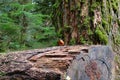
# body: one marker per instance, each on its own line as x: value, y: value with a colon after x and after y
x: 87, y: 21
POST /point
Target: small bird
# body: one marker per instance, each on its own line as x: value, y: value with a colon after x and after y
x: 61, y: 42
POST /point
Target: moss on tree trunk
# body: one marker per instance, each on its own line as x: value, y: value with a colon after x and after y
x: 87, y: 21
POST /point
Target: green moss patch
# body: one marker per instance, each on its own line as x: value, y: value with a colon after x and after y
x: 101, y: 36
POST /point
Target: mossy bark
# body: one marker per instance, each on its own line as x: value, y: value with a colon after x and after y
x: 88, y: 21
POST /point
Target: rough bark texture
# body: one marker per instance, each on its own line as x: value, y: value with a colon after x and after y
x: 59, y: 63
x: 88, y: 21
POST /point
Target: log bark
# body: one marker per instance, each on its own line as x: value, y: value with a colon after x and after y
x: 59, y: 63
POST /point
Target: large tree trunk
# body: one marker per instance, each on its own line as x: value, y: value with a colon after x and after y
x: 87, y: 21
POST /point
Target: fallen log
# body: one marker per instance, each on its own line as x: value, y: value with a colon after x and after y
x: 59, y: 63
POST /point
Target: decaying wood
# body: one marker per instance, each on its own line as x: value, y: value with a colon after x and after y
x: 59, y: 63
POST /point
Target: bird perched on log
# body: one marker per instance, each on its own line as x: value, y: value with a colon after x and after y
x: 61, y: 42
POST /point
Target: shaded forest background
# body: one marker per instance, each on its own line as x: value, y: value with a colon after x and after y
x: 28, y: 24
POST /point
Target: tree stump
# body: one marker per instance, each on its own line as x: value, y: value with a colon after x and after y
x: 59, y: 63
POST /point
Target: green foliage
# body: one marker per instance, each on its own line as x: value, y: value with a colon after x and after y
x: 57, y: 3
x: 21, y: 27
x: 29, y: 7
x: 14, y: 45
x: 72, y: 41
x: 41, y: 37
x: 9, y: 33
x: 60, y: 33
x: 82, y: 40
x: 46, y: 6
x: 8, y: 28
x: 5, y: 19
x: 15, y: 6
